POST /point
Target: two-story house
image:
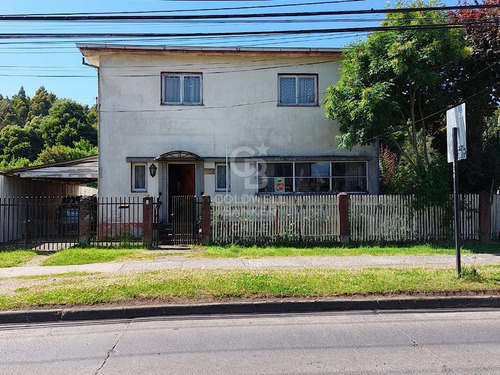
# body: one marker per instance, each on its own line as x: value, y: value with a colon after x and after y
x: 218, y: 120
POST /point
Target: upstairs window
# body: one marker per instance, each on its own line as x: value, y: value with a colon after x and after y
x: 297, y: 90
x: 182, y: 88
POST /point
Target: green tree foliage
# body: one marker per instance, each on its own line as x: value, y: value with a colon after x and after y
x: 41, y: 103
x: 476, y: 81
x: 67, y: 123
x: 392, y: 84
x: 44, y: 129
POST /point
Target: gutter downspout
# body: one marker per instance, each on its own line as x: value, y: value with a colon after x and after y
x: 98, y: 106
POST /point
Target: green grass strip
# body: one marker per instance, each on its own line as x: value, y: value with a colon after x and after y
x: 95, y: 255
x: 15, y: 258
x: 166, y: 285
x: 235, y: 251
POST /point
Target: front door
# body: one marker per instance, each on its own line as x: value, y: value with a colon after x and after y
x: 181, y: 181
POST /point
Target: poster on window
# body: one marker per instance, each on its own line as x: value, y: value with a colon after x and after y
x: 279, y: 185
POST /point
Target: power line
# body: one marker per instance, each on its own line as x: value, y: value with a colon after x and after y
x: 192, y: 10
x: 242, y: 33
x: 52, y: 18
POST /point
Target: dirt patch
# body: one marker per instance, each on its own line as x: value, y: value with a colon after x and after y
x: 137, y: 302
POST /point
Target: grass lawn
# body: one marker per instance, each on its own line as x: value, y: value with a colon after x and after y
x: 220, y: 285
x: 76, y: 256
x: 15, y: 258
x: 235, y: 251
x: 96, y: 255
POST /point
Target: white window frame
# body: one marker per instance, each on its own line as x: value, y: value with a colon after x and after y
x: 132, y: 182
x: 296, y: 77
x: 181, y: 88
x: 227, y: 177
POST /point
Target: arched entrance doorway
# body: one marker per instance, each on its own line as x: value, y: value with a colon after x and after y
x: 180, y: 175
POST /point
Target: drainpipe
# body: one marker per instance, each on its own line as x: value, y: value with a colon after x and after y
x: 378, y: 165
x: 98, y: 105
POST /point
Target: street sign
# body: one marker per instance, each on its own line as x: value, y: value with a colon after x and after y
x: 455, y: 118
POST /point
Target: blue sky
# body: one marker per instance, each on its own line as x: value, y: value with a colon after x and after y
x: 56, y: 64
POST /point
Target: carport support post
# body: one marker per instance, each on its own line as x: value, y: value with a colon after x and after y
x: 84, y: 220
x: 484, y: 217
x: 344, y: 230
x: 205, y: 219
x: 147, y: 221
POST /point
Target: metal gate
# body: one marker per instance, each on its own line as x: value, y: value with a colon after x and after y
x: 41, y: 223
x: 185, y: 218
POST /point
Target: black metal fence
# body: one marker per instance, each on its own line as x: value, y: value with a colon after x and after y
x: 186, y: 219
x: 43, y: 223
x: 53, y: 223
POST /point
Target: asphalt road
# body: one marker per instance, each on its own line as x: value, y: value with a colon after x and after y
x: 432, y: 342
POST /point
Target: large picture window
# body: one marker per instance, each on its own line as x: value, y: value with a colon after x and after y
x: 296, y: 90
x: 312, y: 177
x: 182, y: 89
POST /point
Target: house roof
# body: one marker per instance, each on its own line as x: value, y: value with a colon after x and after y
x: 81, y: 170
x: 90, y: 50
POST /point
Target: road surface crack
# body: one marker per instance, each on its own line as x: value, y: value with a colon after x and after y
x: 112, y: 350
x: 445, y: 368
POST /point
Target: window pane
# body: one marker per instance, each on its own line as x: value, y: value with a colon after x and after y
x: 172, y: 89
x: 221, y: 177
x: 354, y: 184
x: 307, y: 90
x: 355, y: 169
x: 312, y: 169
x: 139, y: 177
x: 275, y: 185
x: 276, y: 170
x: 288, y: 90
x: 312, y: 185
x: 192, y: 92
x: 349, y: 169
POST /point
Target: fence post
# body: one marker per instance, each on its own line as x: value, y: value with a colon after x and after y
x: 147, y: 221
x: 84, y: 220
x: 344, y: 230
x: 205, y: 219
x: 484, y: 217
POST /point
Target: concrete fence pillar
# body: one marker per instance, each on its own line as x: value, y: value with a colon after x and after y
x: 147, y: 221
x: 344, y: 229
x: 484, y: 217
x: 205, y: 219
x: 84, y: 220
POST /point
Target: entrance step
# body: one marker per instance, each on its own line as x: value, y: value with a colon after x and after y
x: 165, y: 234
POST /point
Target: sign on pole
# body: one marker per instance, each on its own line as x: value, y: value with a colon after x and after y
x: 457, y: 150
x: 455, y: 118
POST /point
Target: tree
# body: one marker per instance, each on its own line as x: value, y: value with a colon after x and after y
x: 67, y: 123
x: 41, y: 103
x: 476, y: 81
x: 393, y: 84
x: 44, y: 129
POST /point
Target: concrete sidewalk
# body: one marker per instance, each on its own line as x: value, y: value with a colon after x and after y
x: 183, y: 262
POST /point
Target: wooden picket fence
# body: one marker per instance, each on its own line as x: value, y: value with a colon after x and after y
x: 269, y: 219
x: 382, y: 218
x: 495, y: 216
x: 392, y: 218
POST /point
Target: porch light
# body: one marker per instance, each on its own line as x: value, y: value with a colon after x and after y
x: 152, y: 170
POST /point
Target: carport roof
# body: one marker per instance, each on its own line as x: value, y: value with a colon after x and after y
x: 81, y: 170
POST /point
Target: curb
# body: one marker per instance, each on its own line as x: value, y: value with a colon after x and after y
x: 55, y: 315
